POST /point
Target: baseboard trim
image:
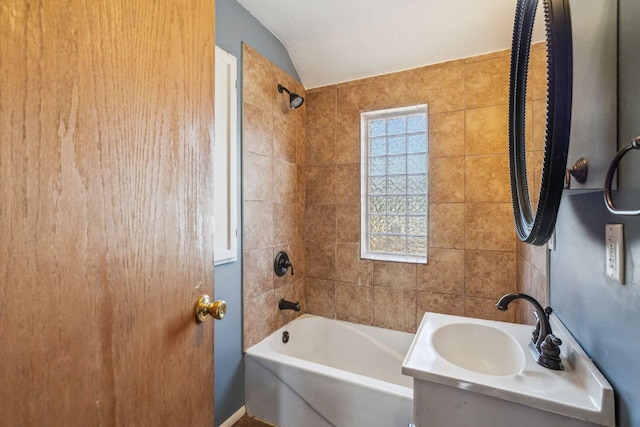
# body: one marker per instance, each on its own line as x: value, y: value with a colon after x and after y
x: 235, y: 417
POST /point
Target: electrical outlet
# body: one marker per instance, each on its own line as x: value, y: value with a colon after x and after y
x: 614, y: 252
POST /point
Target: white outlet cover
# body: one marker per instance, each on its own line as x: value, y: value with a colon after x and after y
x: 614, y: 252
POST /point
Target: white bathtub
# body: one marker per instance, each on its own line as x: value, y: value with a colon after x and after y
x: 330, y: 373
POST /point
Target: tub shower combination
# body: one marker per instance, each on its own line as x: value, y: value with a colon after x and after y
x: 318, y: 372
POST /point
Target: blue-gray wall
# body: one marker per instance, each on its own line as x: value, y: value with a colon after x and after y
x: 605, y: 316
x: 233, y: 26
x: 602, y: 315
x: 629, y: 88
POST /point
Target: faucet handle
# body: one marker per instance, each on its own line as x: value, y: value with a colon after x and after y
x: 550, y: 353
x: 552, y: 339
x: 289, y: 265
x: 550, y: 347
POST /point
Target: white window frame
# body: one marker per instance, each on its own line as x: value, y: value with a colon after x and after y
x: 365, y: 117
x: 225, y: 150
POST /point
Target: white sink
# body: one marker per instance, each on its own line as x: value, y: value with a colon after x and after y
x: 469, y: 371
x: 479, y: 348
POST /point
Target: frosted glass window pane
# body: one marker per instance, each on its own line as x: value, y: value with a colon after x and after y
x: 397, y: 205
x: 417, y: 245
x: 397, y: 185
x: 377, y: 224
x: 397, y: 145
x: 395, y: 149
x: 417, y: 123
x: 417, y: 143
x: 378, y: 146
x: 377, y: 128
x: 416, y: 164
x: 378, y: 243
x: 377, y: 166
x: 397, y: 165
x: 396, y: 126
x: 417, y: 204
x: 377, y: 185
x: 397, y: 244
x: 377, y: 204
x: 417, y: 184
x: 396, y: 224
x: 416, y: 225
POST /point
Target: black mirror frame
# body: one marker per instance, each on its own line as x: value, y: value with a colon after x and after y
x: 537, y: 230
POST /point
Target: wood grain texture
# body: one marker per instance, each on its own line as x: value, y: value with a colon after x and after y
x: 106, y: 215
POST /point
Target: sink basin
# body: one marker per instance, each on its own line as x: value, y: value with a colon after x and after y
x: 478, y: 348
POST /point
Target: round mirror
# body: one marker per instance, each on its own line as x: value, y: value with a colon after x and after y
x: 537, y: 158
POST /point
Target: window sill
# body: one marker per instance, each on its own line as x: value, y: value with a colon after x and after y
x: 411, y: 259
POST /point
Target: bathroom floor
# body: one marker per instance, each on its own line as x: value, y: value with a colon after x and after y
x: 248, y: 421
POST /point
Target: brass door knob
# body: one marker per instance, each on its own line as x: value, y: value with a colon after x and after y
x: 205, y: 306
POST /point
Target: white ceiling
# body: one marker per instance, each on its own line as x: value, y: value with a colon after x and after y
x: 333, y: 41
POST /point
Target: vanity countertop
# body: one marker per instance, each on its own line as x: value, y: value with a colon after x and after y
x: 579, y: 391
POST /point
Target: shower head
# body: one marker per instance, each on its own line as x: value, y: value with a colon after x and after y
x: 295, y: 100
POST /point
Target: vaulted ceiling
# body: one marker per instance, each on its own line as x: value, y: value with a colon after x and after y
x: 332, y: 41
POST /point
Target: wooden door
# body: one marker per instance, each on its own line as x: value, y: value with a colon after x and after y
x: 106, y: 212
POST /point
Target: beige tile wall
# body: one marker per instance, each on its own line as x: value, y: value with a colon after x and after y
x: 273, y: 188
x: 301, y: 193
x: 531, y: 278
x: 472, y: 244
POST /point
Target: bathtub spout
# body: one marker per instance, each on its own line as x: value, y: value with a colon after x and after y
x: 288, y: 305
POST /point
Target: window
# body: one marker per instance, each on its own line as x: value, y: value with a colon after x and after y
x: 225, y: 164
x: 394, y: 167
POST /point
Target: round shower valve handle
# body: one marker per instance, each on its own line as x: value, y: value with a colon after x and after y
x: 282, y: 263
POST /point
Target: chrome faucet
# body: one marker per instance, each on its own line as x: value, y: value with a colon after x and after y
x: 545, y: 345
